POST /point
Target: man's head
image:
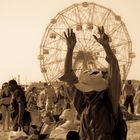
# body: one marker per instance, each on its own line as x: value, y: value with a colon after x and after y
x: 129, y: 82
x: 34, y: 89
x: 12, y: 85
x: 4, y: 85
x: 91, y: 82
x: 46, y: 85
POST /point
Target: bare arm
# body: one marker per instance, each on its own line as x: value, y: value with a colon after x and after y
x: 114, y: 71
x: 69, y: 76
x: 21, y: 112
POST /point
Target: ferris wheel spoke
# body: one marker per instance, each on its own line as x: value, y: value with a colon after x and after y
x: 57, y: 49
x: 69, y: 18
x: 121, y: 44
x: 57, y: 61
x: 62, y: 37
x: 53, y: 41
x: 46, y: 59
x: 67, y: 25
x: 113, y: 46
x: 90, y: 11
x: 115, y: 29
x: 120, y: 51
x: 124, y: 61
x: 89, y: 42
x: 92, y: 46
x: 77, y: 15
x: 92, y: 15
x: 63, y: 29
x: 85, y: 39
x: 126, y: 32
x: 56, y: 76
x: 82, y: 46
x: 105, y: 17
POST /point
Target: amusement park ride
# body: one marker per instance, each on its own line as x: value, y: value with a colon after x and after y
x: 84, y: 18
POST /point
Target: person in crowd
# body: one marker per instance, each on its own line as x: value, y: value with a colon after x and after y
x: 137, y: 101
x: 92, y: 93
x: 20, y: 117
x: 67, y: 123
x: 129, y: 93
x: 46, y: 101
x: 41, y: 101
x: 51, y: 98
x: 58, y: 104
x: 5, y: 98
x: 32, y: 106
x: 31, y: 99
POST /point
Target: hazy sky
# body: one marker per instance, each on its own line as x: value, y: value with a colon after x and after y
x: 23, y: 22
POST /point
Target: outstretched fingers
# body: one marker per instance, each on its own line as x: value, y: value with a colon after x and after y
x: 101, y: 30
x: 95, y: 37
x: 69, y: 33
x: 65, y: 35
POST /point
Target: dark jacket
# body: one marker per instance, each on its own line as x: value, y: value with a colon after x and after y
x: 96, y: 122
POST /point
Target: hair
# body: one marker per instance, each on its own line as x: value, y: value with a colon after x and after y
x: 4, y: 84
x: 45, y: 84
x: 129, y: 81
x: 33, y: 88
x: 12, y: 82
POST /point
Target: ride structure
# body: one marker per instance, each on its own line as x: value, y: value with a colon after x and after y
x: 84, y: 18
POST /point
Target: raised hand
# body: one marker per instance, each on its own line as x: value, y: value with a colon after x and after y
x: 70, y: 38
x: 103, y: 39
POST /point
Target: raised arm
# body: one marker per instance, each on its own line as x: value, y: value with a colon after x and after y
x: 114, y: 71
x: 69, y: 76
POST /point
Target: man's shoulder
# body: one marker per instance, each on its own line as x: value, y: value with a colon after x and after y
x: 50, y: 89
x: 42, y: 92
x: 19, y: 93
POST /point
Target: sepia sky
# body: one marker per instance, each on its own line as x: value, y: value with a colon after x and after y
x: 23, y: 22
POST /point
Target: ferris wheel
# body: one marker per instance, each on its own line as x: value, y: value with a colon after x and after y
x: 84, y: 18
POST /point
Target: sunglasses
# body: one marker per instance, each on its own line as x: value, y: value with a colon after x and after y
x: 97, y: 72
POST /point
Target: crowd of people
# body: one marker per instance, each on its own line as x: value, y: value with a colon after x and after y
x: 88, y: 106
x: 32, y: 110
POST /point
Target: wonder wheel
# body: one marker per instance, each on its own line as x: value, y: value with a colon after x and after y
x: 84, y: 18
